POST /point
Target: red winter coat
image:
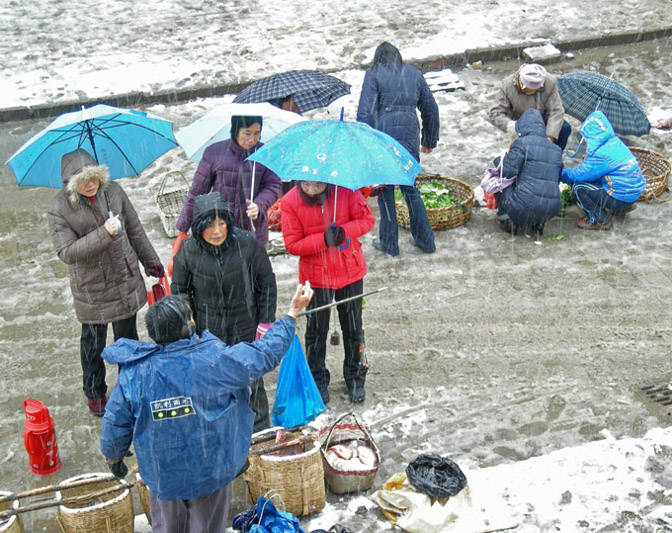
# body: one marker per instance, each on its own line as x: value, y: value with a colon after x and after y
x: 303, y: 229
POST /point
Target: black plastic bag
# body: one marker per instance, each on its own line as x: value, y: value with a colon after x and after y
x: 435, y: 476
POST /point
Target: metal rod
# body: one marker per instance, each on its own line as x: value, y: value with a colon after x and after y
x: 332, y: 304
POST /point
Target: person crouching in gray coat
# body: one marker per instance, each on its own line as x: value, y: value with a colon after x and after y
x: 102, y: 254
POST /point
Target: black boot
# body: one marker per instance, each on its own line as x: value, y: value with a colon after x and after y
x: 357, y: 392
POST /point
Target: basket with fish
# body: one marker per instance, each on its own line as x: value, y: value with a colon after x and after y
x: 349, y: 454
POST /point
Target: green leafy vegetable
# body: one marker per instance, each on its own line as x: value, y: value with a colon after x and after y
x: 434, y: 195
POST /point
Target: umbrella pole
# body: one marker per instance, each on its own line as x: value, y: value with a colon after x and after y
x: 254, y: 169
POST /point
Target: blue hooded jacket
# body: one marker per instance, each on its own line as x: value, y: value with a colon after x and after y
x: 185, y: 408
x: 534, y: 198
x: 608, y: 161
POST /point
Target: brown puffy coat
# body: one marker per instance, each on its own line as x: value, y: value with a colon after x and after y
x: 105, y: 277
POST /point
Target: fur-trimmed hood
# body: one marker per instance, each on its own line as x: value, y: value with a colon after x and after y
x: 78, y: 167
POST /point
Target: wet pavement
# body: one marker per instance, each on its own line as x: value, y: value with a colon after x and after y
x: 492, y: 350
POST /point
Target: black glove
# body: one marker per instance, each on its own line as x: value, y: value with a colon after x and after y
x: 155, y: 272
x: 119, y: 469
x: 334, y: 236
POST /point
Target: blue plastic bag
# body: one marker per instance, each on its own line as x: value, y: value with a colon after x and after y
x: 272, y: 520
x: 297, y: 400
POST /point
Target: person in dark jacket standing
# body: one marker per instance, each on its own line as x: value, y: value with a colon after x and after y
x: 391, y: 93
x: 536, y: 163
x: 331, y: 259
x: 182, y: 402
x: 249, y: 188
x: 226, y: 276
x: 102, y: 254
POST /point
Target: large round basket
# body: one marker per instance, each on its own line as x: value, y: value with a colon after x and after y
x: 143, y: 493
x: 341, y: 432
x: 298, y: 479
x: 93, y: 509
x: 656, y: 170
x: 442, y: 217
x: 13, y: 523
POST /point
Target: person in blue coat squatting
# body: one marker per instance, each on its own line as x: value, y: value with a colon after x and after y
x: 536, y: 163
x: 182, y: 401
x: 609, y: 181
x: 391, y: 92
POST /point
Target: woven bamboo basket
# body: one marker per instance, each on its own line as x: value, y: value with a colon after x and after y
x: 170, y: 203
x: 656, y: 170
x: 107, y: 513
x: 442, y: 217
x: 344, y: 481
x: 298, y: 479
x: 143, y: 494
x: 13, y: 523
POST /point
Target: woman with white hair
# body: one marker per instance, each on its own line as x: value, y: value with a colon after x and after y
x: 531, y: 86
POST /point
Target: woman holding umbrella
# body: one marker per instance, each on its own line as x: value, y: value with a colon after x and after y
x: 98, y: 234
x: 324, y: 234
x: 249, y: 188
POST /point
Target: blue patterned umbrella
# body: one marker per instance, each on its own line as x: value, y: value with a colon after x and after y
x: 585, y: 92
x: 344, y: 153
x: 311, y: 89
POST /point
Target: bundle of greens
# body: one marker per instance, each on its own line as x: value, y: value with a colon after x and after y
x: 434, y: 195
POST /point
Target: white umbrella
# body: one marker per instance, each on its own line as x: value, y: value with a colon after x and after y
x: 215, y: 126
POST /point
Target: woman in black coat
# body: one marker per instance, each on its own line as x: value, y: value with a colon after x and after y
x: 536, y: 163
x: 228, y: 279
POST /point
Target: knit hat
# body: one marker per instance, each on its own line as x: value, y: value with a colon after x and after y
x: 532, y: 76
x: 167, y: 318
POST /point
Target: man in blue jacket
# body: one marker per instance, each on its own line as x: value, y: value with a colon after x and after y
x: 609, y: 181
x: 183, y: 403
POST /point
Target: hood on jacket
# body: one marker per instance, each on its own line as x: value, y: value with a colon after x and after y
x: 124, y: 351
x: 388, y: 56
x: 531, y: 123
x: 78, y: 167
x: 207, y: 207
x: 596, y: 130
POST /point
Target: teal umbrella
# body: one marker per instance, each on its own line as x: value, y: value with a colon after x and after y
x: 343, y: 153
x: 125, y: 140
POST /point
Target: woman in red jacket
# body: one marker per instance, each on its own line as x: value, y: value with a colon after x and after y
x: 331, y: 259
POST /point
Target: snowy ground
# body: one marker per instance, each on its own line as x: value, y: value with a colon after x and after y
x: 533, y: 399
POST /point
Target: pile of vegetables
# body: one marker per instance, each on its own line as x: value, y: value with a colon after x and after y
x: 434, y: 195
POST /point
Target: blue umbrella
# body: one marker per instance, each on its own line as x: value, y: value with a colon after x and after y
x: 126, y: 141
x: 310, y: 88
x: 585, y: 92
x: 347, y: 154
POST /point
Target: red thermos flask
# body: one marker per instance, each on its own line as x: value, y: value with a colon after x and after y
x: 39, y: 438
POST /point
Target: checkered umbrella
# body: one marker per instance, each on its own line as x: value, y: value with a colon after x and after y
x: 585, y: 92
x: 311, y: 89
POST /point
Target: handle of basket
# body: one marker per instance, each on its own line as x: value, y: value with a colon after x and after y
x: 325, y: 446
x: 168, y: 174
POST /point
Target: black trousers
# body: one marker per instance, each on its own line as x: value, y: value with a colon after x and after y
x: 92, y: 342
x: 317, y: 330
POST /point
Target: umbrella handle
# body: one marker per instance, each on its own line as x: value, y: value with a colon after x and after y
x: 345, y: 245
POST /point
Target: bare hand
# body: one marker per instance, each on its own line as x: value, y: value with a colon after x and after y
x: 425, y: 150
x: 112, y: 225
x: 551, y: 138
x: 252, y: 210
x: 300, y: 300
